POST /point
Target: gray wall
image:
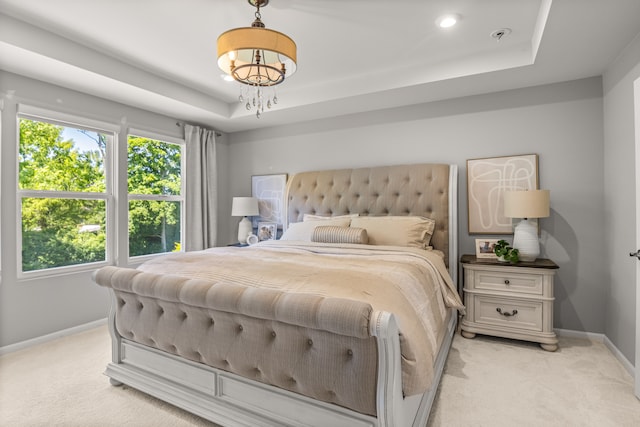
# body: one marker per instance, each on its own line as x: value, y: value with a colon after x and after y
x: 620, y: 196
x: 562, y: 123
x: 37, y: 307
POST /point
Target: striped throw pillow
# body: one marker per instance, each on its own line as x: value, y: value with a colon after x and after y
x: 335, y: 234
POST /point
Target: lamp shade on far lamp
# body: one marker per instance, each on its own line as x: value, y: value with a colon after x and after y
x: 526, y: 204
x: 244, y: 207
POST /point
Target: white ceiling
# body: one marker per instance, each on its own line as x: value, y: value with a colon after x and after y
x: 353, y: 55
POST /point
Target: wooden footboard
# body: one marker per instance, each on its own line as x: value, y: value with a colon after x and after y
x: 233, y: 400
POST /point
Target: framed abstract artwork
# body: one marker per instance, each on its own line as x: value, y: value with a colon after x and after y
x: 487, y: 180
x: 269, y: 190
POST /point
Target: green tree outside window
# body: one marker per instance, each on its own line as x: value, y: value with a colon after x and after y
x: 62, y: 183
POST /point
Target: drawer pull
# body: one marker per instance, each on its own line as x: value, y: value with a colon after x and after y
x: 506, y: 281
x: 507, y: 314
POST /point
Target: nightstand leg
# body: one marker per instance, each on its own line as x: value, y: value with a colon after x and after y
x: 549, y: 347
x: 467, y: 334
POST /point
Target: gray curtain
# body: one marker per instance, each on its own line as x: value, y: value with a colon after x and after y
x: 202, y: 188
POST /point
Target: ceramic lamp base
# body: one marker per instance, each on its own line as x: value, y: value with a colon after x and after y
x: 525, y: 240
x: 244, y: 229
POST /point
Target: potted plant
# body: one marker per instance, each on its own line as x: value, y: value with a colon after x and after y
x: 505, y: 252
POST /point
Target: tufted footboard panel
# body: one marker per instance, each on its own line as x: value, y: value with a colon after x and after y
x: 316, y: 346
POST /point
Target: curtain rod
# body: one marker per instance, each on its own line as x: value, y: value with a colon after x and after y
x: 218, y: 133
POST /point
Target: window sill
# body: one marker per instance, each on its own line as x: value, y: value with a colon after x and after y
x: 59, y: 271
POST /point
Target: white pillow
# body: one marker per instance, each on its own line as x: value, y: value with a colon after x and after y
x: 304, y: 230
x: 412, y: 231
x: 310, y: 217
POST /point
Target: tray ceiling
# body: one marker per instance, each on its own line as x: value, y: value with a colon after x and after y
x: 353, y: 55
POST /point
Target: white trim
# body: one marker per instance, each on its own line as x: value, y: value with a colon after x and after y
x: 636, y: 122
x: 602, y: 338
x: 156, y: 197
x: 569, y: 333
x: 45, y: 114
x: 63, y: 270
x: 139, y: 259
x: 155, y: 135
x: 50, y: 337
x: 618, y: 355
x: 538, y: 31
x: 54, y: 194
x: 453, y: 225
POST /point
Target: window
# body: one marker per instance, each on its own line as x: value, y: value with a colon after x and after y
x: 63, y: 191
x: 156, y: 196
x: 75, y: 193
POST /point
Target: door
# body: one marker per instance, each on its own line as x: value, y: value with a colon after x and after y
x: 636, y: 89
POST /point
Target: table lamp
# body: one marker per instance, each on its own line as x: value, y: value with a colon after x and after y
x: 244, y: 207
x: 526, y: 204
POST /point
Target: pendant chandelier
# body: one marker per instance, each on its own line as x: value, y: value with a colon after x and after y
x: 259, y: 58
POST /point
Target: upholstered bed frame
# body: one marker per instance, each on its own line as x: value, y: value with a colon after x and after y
x: 424, y: 189
x: 211, y: 386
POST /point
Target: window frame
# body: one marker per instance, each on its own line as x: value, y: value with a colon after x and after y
x: 1, y: 111
x: 141, y: 133
x: 116, y: 195
x: 77, y: 122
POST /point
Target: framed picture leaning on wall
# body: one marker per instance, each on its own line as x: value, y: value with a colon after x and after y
x: 267, y: 231
x: 485, y: 248
x: 269, y: 190
x: 487, y: 180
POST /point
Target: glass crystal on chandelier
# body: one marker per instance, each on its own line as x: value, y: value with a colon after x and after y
x: 258, y: 97
x: 259, y: 58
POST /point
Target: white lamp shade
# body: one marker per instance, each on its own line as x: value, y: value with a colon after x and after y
x: 244, y: 206
x: 526, y: 204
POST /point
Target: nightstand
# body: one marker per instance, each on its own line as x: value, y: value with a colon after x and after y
x: 509, y: 300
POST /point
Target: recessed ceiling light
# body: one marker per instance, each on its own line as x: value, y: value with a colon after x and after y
x: 447, y: 21
x: 226, y: 77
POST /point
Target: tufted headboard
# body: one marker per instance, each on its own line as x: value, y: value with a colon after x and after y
x: 428, y: 190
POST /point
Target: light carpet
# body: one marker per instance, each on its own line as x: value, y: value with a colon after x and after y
x: 487, y: 382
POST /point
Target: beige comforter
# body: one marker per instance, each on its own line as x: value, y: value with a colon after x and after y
x: 412, y: 284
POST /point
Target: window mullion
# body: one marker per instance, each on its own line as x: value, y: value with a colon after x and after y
x: 158, y: 197
x: 121, y: 231
x: 50, y: 194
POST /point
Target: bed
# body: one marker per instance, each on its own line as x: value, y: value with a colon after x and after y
x: 340, y: 323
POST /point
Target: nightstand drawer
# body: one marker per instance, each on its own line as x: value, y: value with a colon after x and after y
x: 510, y: 313
x: 496, y: 280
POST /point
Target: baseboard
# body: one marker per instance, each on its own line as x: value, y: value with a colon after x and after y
x: 628, y: 366
x: 618, y: 355
x: 50, y: 337
x: 580, y: 334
